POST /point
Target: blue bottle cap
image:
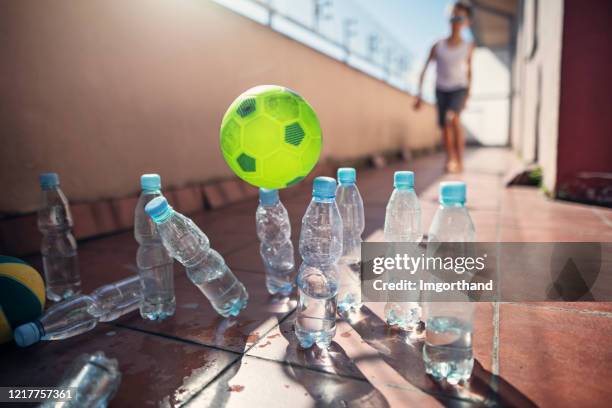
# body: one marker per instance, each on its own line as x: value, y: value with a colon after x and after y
x: 150, y: 182
x: 268, y: 197
x: 324, y: 187
x: 158, y: 209
x: 49, y: 180
x: 452, y: 192
x: 27, y: 334
x: 347, y: 175
x: 403, y: 180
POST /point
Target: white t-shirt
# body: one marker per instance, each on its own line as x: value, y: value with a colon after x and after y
x: 451, y: 65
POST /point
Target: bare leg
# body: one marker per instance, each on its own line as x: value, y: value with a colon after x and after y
x: 459, y: 139
x: 449, y: 146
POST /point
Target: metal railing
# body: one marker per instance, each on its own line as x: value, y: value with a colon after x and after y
x: 337, y: 28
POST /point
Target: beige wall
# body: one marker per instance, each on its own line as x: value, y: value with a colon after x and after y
x: 536, y: 81
x: 102, y: 91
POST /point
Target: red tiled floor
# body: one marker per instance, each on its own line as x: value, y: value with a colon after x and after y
x: 552, y: 354
x: 255, y: 382
x: 558, y: 358
x: 196, y: 321
x: 155, y: 370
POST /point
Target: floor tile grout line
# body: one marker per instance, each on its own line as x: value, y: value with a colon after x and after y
x: 268, y: 331
x: 239, y: 248
x: 238, y: 359
x: 310, y: 368
x: 212, y: 380
x: 597, y: 313
x: 496, y: 321
x: 175, y: 338
x: 599, y: 214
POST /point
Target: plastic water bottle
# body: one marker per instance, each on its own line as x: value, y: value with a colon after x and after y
x: 350, y: 205
x: 82, y: 313
x: 317, y: 281
x: 58, y: 248
x: 276, y: 249
x: 155, y: 266
x: 92, y: 380
x: 205, y: 267
x: 447, y: 352
x: 403, y: 224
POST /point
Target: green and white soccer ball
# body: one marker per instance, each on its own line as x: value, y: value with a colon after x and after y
x: 270, y: 137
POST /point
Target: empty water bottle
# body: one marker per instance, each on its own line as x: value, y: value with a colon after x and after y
x: 447, y: 352
x: 82, y: 313
x: 350, y: 206
x: 403, y: 224
x: 317, y: 281
x: 276, y: 249
x: 205, y: 267
x: 155, y: 266
x: 58, y: 248
x: 91, y: 382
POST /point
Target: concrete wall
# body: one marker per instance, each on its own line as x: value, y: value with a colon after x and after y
x: 102, y: 91
x: 536, y: 84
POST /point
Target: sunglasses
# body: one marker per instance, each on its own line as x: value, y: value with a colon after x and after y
x: 457, y: 19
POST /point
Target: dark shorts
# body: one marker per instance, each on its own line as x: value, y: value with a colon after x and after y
x: 449, y: 101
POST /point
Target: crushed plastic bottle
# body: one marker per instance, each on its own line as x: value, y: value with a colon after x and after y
x: 205, y: 267
x: 92, y: 381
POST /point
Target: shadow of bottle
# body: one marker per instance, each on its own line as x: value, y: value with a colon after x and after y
x: 329, y: 376
x: 403, y: 352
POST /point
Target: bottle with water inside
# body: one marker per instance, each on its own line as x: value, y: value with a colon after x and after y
x: 58, y: 248
x: 205, y: 267
x: 447, y: 352
x: 276, y: 249
x: 92, y: 381
x: 82, y: 313
x: 155, y: 266
x: 350, y: 206
x: 403, y: 224
x: 317, y: 281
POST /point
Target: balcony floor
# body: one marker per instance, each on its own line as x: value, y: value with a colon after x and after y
x: 545, y: 354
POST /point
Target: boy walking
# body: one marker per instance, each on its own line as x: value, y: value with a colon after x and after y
x: 453, y: 57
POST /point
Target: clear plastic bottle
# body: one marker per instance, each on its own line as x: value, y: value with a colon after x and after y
x: 403, y: 224
x: 205, y: 267
x: 317, y: 281
x: 58, y: 247
x: 276, y: 249
x: 82, y: 313
x: 92, y: 379
x: 155, y: 266
x: 447, y: 352
x: 350, y: 206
